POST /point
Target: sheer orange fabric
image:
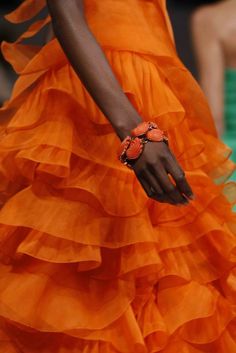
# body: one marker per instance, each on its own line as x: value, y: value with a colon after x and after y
x: 88, y: 263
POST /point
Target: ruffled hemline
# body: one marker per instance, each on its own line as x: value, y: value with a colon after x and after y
x: 84, y: 271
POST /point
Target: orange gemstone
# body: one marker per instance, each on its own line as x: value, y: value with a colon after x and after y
x: 141, y: 129
x: 123, y: 146
x: 155, y: 135
x: 153, y: 125
x: 135, y: 149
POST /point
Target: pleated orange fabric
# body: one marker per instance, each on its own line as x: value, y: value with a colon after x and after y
x: 89, y: 264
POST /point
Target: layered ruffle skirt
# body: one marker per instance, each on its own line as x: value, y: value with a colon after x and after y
x: 89, y: 264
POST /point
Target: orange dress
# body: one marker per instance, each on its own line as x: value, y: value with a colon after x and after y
x: 88, y: 263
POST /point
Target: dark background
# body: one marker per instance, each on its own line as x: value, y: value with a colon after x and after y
x: 180, y: 14
x: 179, y: 10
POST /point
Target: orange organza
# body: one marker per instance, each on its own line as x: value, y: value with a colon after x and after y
x: 89, y: 264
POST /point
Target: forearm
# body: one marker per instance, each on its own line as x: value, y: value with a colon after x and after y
x: 91, y: 65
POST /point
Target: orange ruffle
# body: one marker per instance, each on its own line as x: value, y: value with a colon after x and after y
x: 88, y: 263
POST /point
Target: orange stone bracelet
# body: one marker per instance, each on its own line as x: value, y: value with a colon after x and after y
x: 132, y: 146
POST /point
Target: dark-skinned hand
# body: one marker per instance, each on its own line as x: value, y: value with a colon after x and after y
x: 89, y: 62
x: 153, y: 170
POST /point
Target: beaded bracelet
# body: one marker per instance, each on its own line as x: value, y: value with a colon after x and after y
x: 132, y: 146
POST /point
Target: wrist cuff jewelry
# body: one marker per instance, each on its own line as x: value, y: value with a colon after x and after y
x: 132, y: 146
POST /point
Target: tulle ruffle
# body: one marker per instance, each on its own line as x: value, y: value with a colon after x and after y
x: 88, y: 263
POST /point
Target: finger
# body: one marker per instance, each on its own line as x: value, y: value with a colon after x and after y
x: 159, y: 194
x: 146, y: 186
x: 169, y: 188
x: 152, y: 190
x: 178, y: 175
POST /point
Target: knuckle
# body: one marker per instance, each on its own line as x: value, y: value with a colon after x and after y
x: 149, y: 194
x: 180, y: 177
x: 150, y: 163
x: 189, y: 192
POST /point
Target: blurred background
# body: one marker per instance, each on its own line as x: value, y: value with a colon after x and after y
x: 205, y: 33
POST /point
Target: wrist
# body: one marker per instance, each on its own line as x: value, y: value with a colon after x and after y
x: 132, y: 146
x: 123, y: 127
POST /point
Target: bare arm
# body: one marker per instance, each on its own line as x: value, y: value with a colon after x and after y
x: 89, y: 62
